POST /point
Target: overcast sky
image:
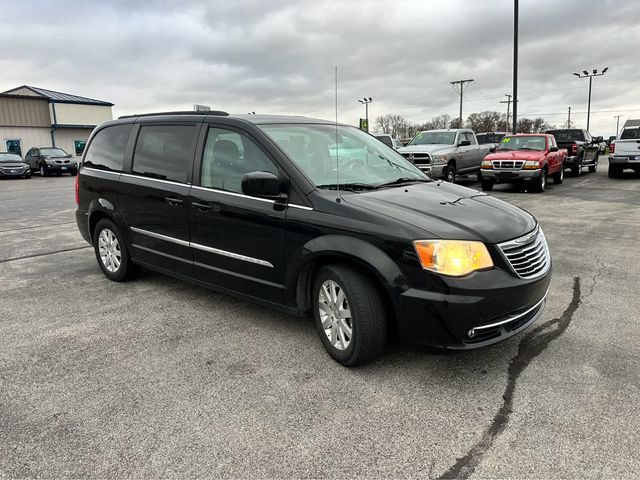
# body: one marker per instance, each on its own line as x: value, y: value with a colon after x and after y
x: 272, y: 56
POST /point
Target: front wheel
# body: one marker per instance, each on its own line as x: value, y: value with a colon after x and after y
x: 487, y: 185
x: 450, y: 173
x: 541, y: 182
x: 349, y: 315
x: 558, y: 177
x: 43, y: 173
x: 111, y: 252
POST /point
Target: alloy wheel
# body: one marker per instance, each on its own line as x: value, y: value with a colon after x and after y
x: 42, y: 173
x: 109, y: 250
x: 335, y: 314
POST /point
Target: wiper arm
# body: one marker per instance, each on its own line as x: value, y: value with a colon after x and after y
x: 348, y: 186
x: 402, y: 181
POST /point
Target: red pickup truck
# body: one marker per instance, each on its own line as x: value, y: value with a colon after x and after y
x: 528, y: 159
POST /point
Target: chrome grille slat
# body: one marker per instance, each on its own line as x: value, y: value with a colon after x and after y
x: 529, y: 255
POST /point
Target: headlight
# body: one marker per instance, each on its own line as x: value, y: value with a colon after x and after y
x: 486, y: 164
x: 439, y: 159
x: 531, y: 165
x: 49, y: 161
x: 453, y: 257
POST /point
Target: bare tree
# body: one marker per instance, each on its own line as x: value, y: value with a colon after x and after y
x: 383, y: 123
x: 486, y: 121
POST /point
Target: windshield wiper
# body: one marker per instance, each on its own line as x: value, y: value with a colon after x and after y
x: 403, y: 181
x: 348, y: 186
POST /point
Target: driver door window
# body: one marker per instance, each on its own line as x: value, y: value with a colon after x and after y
x: 228, y: 155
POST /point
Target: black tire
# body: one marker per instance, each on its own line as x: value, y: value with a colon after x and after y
x: 450, y: 173
x: 558, y: 177
x: 43, y: 172
x: 126, y: 269
x: 540, y: 184
x: 487, y: 185
x: 73, y: 173
x: 593, y: 168
x: 614, y: 171
x: 368, y: 317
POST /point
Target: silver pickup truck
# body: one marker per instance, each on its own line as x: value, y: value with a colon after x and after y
x: 445, y: 153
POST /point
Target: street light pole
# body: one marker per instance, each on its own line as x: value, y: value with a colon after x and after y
x: 617, y: 117
x: 366, y: 101
x: 590, y: 76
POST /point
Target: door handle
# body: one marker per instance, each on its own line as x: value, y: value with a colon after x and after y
x: 174, y: 202
x: 203, y: 207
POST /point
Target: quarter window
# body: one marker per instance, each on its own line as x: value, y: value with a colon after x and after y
x: 106, y: 150
x: 164, y: 151
x: 228, y: 155
x: 79, y: 145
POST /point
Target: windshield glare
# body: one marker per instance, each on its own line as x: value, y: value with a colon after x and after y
x: 10, y: 157
x: 523, y: 143
x: 434, y: 138
x: 360, y: 158
x: 53, y: 152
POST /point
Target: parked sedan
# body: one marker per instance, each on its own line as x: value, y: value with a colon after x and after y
x: 48, y: 160
x: 12, y: 166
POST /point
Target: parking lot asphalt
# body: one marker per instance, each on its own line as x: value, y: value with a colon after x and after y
x: 158, y: 378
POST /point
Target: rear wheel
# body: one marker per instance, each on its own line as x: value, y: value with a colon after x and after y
x: 558, y: 177
x: 487, y: 185
x: 594, y: 168
x: 450, y: 173
x: 111, y: 252
x: 349, y: 315
x: 614, y: 171
x: 576, y: 170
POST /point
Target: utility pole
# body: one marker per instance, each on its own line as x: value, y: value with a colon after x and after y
x: 508, y: 102
x: 515, y: 66
x: 590, y: 76
x: 617, y: 117
x: 458, y: 86
x: 569, y: 119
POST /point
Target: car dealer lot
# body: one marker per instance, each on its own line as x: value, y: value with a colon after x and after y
x: 156, y: 377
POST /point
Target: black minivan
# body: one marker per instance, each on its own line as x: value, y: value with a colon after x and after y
x: 311, y: 216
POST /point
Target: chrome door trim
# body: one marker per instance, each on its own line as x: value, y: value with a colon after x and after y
x: 160, y: 236
x: 240, y: 275
x: 233, y: 194
x: 301, y: 207
x: 151, y: 250
x: 237, y: 256
x: 204, y: 248
x: 142, y: 177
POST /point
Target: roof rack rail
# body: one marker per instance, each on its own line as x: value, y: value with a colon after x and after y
x: 218, y: 113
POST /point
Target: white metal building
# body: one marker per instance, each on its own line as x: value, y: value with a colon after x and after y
x: 35, y: 117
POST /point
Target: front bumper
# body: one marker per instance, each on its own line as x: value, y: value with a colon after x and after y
x: 61, y: 167
x: 14, y: 172
x: 478, y: 310
x: 434, y: 171
x: 507, y: 176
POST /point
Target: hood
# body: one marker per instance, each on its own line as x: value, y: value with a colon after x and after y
x: 425, y: 148
x: 443, y: 210
x: 516, y: 155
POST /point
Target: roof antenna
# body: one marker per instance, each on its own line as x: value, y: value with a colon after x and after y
x: 337, y: 146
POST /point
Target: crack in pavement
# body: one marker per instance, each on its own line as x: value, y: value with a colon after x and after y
x: 5, y: 260
x: 532, y: 345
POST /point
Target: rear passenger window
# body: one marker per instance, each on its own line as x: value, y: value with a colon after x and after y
x: 164, y: 151
x: 228, y: 155
x: 106, y: 150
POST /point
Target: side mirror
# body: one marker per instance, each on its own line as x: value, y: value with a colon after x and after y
x: 599, y: 139
x: 553, y: 149
x: 261, y: 184
x: 464, y: 143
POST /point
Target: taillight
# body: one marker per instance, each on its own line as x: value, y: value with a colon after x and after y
x: 77, y: 196
x: 574, y: 148
x: 612, y: 148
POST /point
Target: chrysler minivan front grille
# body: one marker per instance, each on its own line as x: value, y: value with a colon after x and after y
x: 529, y: 255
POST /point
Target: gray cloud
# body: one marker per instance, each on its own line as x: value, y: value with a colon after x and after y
x: 278, y: 57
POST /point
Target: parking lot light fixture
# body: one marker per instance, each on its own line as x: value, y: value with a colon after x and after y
x: 366, y: 101
x: 590, y: 77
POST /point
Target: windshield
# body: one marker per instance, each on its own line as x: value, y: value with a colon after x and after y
x: 53, y: 152
x: 484, y: 138
x: 630, y: 133
x: 361, y: 158
x: 434, y: 138
x: 567, y: 135
x: 10, y: 157
x: 523, y: 143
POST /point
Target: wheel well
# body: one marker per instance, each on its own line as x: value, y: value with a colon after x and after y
x: 308, y: 273
x: 94, y: 219
x: 452, y: 162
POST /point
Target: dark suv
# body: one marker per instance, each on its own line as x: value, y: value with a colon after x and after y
x: 48, y: 160
x: 276, y: 210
